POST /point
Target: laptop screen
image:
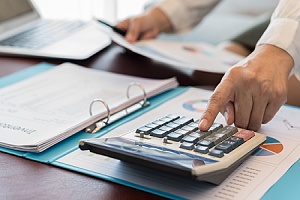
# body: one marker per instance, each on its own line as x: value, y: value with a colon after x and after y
x: 10, y: 9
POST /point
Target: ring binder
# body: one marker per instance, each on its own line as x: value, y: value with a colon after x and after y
x: 95, y: 127
x: 111, y: 118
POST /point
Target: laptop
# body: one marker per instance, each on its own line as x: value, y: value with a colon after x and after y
x: 24, y: 32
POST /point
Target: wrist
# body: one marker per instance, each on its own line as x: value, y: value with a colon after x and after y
x: 276, y: 55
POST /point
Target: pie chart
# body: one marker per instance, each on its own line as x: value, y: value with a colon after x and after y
x: 196, y: 105
x: 269, y: 148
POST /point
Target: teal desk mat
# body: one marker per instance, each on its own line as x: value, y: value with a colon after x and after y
x: 288, y: 186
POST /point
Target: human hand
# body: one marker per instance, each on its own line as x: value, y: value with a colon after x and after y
x: 251, y: 92
x: 145, y: 26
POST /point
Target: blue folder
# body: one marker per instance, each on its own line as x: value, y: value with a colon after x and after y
x: 289, y: 183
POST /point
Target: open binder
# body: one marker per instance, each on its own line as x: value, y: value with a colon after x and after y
x: 46, y: 109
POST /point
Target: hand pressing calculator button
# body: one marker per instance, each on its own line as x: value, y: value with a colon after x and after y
x: 174, y: 144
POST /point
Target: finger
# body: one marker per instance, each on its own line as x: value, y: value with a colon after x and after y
x: 134, y: 30
x: 149, y: 35
x: 258, y: 110
x: 271, y: 109
x: 228, y: 112
x: 123, y: 24
x: 219, y: 98
x: 243, y: 104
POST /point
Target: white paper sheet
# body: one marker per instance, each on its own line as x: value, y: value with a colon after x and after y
x: 197, y: 56
x: 249, y: 181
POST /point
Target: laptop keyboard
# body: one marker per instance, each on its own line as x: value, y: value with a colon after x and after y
x: 43, y: 33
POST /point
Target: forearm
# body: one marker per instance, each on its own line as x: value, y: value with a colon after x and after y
x: 185, y: 14
x: 284, y: 31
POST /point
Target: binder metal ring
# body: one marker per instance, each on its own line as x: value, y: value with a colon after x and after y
x: 94, y: 128
x: 142, y: 88
x: 106, y: 106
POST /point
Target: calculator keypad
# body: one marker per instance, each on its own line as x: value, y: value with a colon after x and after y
x: 182, y: 133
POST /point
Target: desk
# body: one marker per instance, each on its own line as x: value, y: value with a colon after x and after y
x: 24, y: 179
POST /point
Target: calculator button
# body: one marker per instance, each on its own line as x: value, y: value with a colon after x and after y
x: 152, y: 125
x: 166, y: 128
x: 227, y: 130
x: 189, y: 128
x: 215, y: 127
x: 216, y: 153
x: 172, y: 116
x: 194, y: 124
x: 175, y: 136
x: 146, y: 130
x: 245, y: 134
x: 199, y: 134
x: 201, y: 149
x: 181, y: 131
x: 173, y: 125
x: 225, y: 146
x: 187, y: 145
x: 214, y: 139
x: 159, y: 122
x: 190, y: 139
x: 158, y: 133
x: 166, y: 119
x: 183, y: 121
x: 238, y: 141
x: 206, y: 143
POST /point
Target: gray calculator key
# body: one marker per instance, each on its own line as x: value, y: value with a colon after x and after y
x: 216, y: 153
x: 201, y: 149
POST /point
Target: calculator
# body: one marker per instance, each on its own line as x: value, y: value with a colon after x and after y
x: 174, y: 144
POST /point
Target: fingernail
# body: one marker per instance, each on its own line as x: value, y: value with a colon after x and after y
x: 203, y: 124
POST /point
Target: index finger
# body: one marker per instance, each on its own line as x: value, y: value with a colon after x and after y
x: 220, y: 97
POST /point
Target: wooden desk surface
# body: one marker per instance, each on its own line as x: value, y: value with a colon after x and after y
x: 24, y: 179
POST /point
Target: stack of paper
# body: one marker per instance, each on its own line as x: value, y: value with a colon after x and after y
x: 43, y: 110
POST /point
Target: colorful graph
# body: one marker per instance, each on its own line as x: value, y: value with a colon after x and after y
x: 269, y: 148
x: 195, y: 105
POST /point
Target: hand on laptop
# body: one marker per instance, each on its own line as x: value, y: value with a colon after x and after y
x: 252, y: 91
x: 145, y: 26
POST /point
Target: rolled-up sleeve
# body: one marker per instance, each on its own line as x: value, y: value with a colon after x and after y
x: 185, y: 14
x: 284, y: 31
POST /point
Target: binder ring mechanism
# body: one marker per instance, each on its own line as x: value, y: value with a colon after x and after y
x: 96, y: 127
x: 133, y: 107
x: 144, y: 101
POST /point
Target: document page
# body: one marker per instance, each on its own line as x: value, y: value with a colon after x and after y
x: 249, y: 181
x: 55, y: 104
x: 197, y: 56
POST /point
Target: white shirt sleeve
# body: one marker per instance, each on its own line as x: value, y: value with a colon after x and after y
x: 185, y: 14
x: 284, y: 30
